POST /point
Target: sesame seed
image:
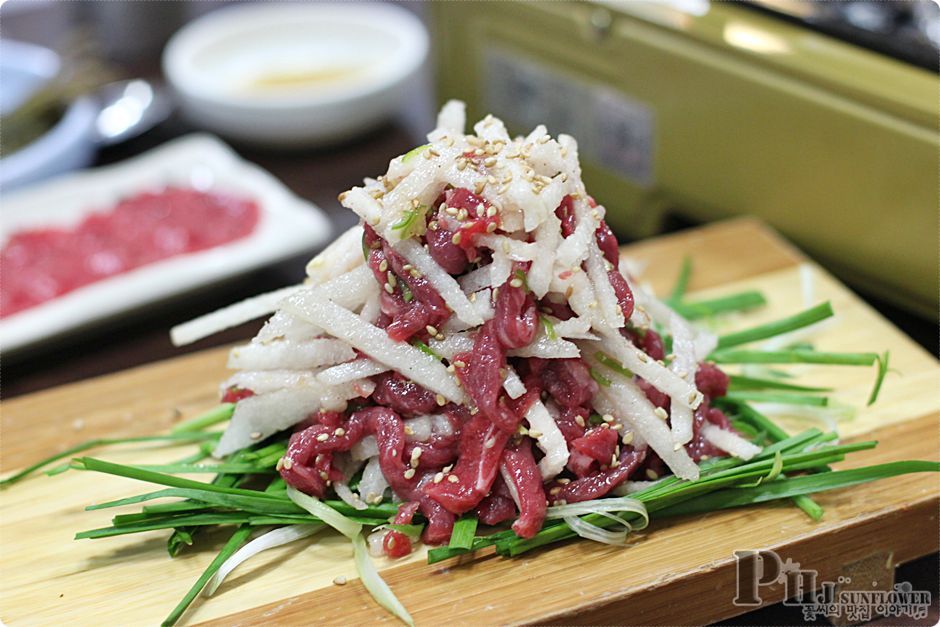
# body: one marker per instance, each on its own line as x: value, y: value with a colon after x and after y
x: 560, y: 502
x: 705, y: 458
x: 489, y: 162
x: 607, y: 418
x: 579, y: 419
x: 431, y: 330
x: 564, y: 481
x: 491, y: 227
x: 604, y: 425
x: 490, y: 212
x: 451, y: 368
x: 439, y: 336
x: 478, y: 188
x: 451, y: 211
x: 279, y: 465
x: 448, y: 468
x: 456, y: 238
x: 288, y: 464
x: 389, y: 288
x: 391, y: 542
x: 554, y: 491
x: 643, y: 357
x: 651, y: 474
x: 478, y: 152
x: 409, y: 430
x: 255, y: 435
x: 391, y: 279
x: 616, y: 427
x: 410, y: 473
x: 474, y: 411
x: 441, y: 400
x: 460, y: 364
x: 677, y: 446
x: 323, y: 437
x: 323, y: 475
x: 340, y: 432
x: 339, y: 581
x: 661, y: 413
x: 383, y: 266
x: 543, y: 139
x: 462, y: 215
x: 516, y: 282
x: 438, y: 477
x: 490, y: 442
x: 453, y: 478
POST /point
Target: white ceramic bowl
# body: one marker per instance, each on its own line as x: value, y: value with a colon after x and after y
x: 292, y: 75
x: 68, y: 145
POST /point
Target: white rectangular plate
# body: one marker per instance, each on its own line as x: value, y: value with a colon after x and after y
x: 287, y: 226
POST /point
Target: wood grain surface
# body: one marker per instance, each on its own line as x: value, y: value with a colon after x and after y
x: 677, y: 572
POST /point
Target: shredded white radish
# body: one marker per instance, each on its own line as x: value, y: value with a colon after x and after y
x: 263, y: 415
x: 513, y: 384
x: 344, y: 254
x: 264, y: 381
x: 365, y: 448
x: 547, y: 237
x: 286, y: 355
x: 376, y: 541
x: 475, y: 280
x: 452, y: 118
x: 371, y: 308
x: 423, y: 369
x: 606, y: 304
x: 546, y: 348
x: 228, y: 317
x: 348, y: 496
x: 639, y: 363
x: 283, y: 326
x: 445, y: 284
x: 578, y: 328
x: 372, y: 485
x: 684, y: 366
x: 550, y: 440
x: 452, y: 345
x: 729, y: 442
x: 624, y: 400
x: 271, y: 539
x: 351, y: 371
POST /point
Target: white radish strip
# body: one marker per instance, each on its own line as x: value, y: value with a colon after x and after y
x: 364, y: 205
x: 510, y: 485
x: 417, y: 429
x: 452, y: 345
x: 258, y: 417
x: 606, y: 297
x: 352, y: 289
x: 476, y: 280
x: 482, y: 302
x: 314, y: 306
x: 549, y: 439
x: 364, y: 449
x: 572, y: 327
x: 373, y: 484
x: 376, y: 542
x: 638, y: 362
x: 283, y: 326
x: 274, y: 538
x: 348, y: 496
x: 684, y: 366
x: 547, y: 236
x: 452, y: 117
x: 491, y: 129
x: 287, y: 355
x: 579, y: 293
x: 350, y: 371
x: 517, y: 250
x: 624, y: 400
x: 500, y: 269
x: 545, y: 348
x: 513, y: 384
x: 229, y: 317
x: 344, y: 254
x: 371, y: 308
x: 264, y: 381
x: 445, y: 284
x: 729, y: 442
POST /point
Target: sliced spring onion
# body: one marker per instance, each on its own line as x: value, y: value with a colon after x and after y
x: 464, y: 531
x: 712, y: 307
x: 374, y: 583
x: 601, y: 379
x: 274, y: 538
x: 793, y: 356
x: 682, y: 282
x: 591, y: 531
x: 777, y: 327
x: 612, y: 363
x: 620, y: 505
x: 778, y: 397
x: 549, y: 328
x: 214, y: 416
x: 882, y: 371
x: 741, y: 382
x: 324, y: 512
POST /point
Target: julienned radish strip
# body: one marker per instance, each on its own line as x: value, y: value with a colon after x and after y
x: 778, y: 327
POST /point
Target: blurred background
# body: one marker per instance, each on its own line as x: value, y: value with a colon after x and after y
x: 818, y: 117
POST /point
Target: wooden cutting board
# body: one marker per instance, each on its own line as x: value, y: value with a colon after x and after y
x: 677, y: 571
